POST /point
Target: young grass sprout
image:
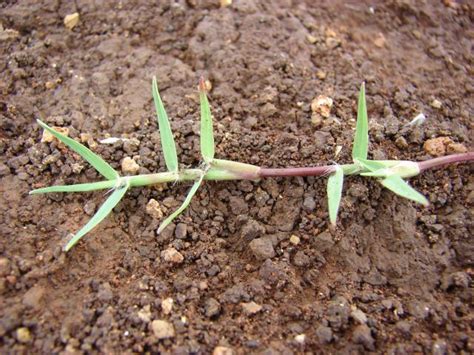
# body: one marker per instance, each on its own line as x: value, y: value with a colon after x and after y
x: 390, y: 173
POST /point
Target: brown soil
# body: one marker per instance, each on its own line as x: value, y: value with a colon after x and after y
x: 393, y: 277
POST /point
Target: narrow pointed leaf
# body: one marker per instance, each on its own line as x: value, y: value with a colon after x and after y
x: 167, y: 140
x: 76, y: 188
x: 97, y: 162
x: 334, y: 190
x: 103, y: 211
x: 207, y: 134
x: 397, y: 185
x: 361, y: 138
x: 185, y: 204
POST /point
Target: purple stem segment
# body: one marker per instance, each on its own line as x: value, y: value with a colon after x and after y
x: 328, y: 169
x: 310, y: 171
x: 449, y: 159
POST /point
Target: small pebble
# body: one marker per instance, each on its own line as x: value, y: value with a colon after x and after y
x: 324, y: 334
x: 322, y: 105
x: 262, y: 248
x: 167, y: 305
x: 294, y: 239
x: 401, y: 142
x: 436, y: 104
x: 222, y: 350
x: 379, y: 41
x: 362, y: 335
x: 23, y: 335
x: 145, y: 314
x: 129, y: 166
x: 225, y: 3
x: 300, y: 338
x: 48, y: 137
x: 153, y: 209
x: 251, y: 308
x: 440, y: 145
x: 358, y: 315
x: 311, y: 39
x: 71, y: 20
x: 172, y: 255
x: 212, y: 308
x: 162, y: 329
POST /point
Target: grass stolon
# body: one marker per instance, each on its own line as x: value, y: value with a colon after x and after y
x: 390, y: 173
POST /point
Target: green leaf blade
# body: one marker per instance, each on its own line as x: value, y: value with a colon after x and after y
x: 183, y: 206
x: 103, y: 212
x: 76, y: 188
x: 361, y: 138
x: 97, y: 162
x: 397, y: 185
x: 334, y: 191
x: 207, y: 134
x: 167, y: 139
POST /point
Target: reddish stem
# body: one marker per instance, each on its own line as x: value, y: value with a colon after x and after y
x: 311, y: 171
x: 449, y: 159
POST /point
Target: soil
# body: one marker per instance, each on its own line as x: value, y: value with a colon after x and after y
x: 262, y: 271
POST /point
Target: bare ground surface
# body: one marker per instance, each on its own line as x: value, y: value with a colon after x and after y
x: 393, y: 277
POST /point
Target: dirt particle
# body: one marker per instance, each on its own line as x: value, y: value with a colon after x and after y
x: 294, y: 239
x: 456, y: 148
x: 129, y: 166
x: 300, y: 338
x: 338, y: 313
x: 171, y: 255
x: 440, y: 145
x: 34, y: 296
x: 322, y: 105
x: 144, y: 314
x: 251, y: 308
x: 436, y: 104
x: 380, y: 40
x: 321, y: 75
x: 222, y: 350
x: 324, y: 334
x: 167, y: 305
x: 48, y: 137
x: 181, y: 231
x: 153, y: 209
x: 311, y: 39
x: 105, y: 293
x: 4, y: 267
x: 262, y: 248
x: 323, y: 242
x: 301, y: 259
x: 440, y: 347
x: 225, y: 3
x: 212, y: 308
x: 362, y: 335
x: 358, y: 315
x: 162, y: 329
x: 71, y: 20
x: 23, y: 335
x: 401, y: 142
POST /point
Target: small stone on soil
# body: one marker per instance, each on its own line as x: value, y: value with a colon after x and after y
x: 251, y: 308
x: 181, y: 231
x: 212, y: 308
x: 324, y: 334
x: 222, y: 350
x: 162, y: 329
x: 129, y: 166
x: 294, y: 239
x: 262, y: 248
x: 153, y: 209
x: 23, y: 335
x: 34, y: 296
x: 48, y: 137
x: 300, y: 338
x: 436, y: 104
x: 172, y: 255
x: 71, y: 20
x: 362, y: 335
x: 322, y: 105
x: 144, y: 314
x: 167, y: 305
x: 358, y: 315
